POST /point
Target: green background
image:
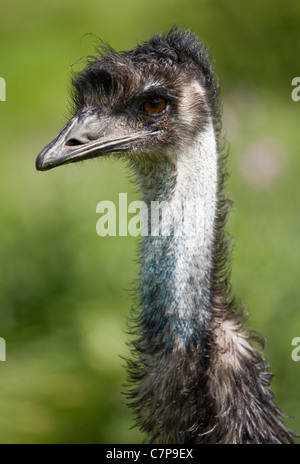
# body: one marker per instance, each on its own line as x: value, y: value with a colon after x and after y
x: 64, y: 291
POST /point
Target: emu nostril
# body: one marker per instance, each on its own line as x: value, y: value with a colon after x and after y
x: 73, y: 142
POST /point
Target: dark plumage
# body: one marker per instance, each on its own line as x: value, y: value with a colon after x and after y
x: 196, y: 377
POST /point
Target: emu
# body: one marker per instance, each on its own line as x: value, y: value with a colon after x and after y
x: 197, y: 375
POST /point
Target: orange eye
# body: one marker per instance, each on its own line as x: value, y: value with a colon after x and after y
x: 154, y: 105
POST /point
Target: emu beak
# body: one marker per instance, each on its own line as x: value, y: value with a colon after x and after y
x: 88, y: 135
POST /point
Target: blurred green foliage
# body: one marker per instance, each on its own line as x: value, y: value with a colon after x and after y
x: 64, y: 291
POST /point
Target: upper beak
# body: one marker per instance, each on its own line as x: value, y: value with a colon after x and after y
x: 88, y: 135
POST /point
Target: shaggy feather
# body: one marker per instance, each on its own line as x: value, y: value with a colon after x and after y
x: 195, y: 374
x: 179, y: 398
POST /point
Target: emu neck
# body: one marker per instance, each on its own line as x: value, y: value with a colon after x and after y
x: 175, y: 269
x: 198, y: 378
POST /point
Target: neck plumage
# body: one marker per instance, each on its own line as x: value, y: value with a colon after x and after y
x: 198, y: 377
x: 177, y: 253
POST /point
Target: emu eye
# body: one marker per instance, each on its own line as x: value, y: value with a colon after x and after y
x: 154, y: 105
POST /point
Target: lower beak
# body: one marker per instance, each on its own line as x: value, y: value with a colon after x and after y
x: 88, y: 135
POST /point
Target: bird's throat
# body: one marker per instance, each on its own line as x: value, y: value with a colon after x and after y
x: 177, y: 253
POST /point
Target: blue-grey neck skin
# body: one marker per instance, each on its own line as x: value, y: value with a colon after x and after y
x: 196, y: 376
x: 174, y: 281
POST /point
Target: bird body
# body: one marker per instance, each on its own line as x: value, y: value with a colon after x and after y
x: 196, y: 376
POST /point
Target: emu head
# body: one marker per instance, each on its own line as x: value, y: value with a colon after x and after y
x: 158, y: 95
